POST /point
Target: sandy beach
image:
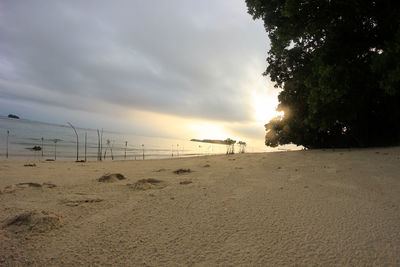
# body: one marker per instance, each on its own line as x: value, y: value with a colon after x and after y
x: 302, y: 208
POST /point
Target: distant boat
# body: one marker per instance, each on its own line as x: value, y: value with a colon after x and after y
x: 12, y: 116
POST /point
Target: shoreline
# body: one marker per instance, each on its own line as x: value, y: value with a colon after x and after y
x: 22, y: 157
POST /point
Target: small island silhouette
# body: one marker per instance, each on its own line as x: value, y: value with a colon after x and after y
x: 12, y: 116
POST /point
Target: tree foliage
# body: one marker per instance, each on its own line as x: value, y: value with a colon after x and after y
x: 338, y: 64
x: 230, y: 146
x: 242, y: 146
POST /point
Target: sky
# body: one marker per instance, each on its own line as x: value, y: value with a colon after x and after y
x: 177, y: 68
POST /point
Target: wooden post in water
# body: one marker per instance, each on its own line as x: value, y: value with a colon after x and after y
x: 8, y: 134
x: 85, y: 146
x: 126, y: 145
x: 77, y: 142
x: 143, y: 150
x: 42, y: 145
x: 110, y: 145
x: 55, y: 149
x: 100, y: 144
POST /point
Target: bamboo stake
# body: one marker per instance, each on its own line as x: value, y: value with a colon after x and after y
x: 77, y: 142
x: 85, y: 146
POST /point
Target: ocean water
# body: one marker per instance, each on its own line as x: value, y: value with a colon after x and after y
x: 25, y: 134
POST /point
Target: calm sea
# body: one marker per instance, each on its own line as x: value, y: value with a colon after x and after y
x: 25, y: 134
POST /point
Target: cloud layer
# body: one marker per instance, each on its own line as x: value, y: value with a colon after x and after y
x: 193, y: 59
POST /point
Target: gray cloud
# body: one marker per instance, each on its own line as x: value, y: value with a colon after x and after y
x: 186, y: 58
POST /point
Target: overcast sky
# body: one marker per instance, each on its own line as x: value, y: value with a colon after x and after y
x: 168, y: 68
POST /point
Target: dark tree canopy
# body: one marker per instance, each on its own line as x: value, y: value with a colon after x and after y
x: 338, y: 63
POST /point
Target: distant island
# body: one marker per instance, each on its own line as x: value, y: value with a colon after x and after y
x: 12, y: 116
x: 228, y: 142
x: 211, y: 141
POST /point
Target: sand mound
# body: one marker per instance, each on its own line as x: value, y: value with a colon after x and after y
x: 16, y: 187
x: 21, y: 186
x: 145, y: 184
x: 109, y: 178
x: 30, y: 165
x: 32, y: 221
x: 180, y: 171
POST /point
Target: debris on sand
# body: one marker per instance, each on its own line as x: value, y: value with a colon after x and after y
x: 206, y: 166
x: 145, y: 184
x: 109, y: 178
x: 78, y: 202
x: 20, y: 186
x: 180, y: 171
x: 30, y: 165
x: 28, y: 185
x: 32, y: 221
x: 160, y: 170
x: 185, y: 182
x: 49, y: 185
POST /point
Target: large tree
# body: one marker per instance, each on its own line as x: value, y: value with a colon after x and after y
x: 338, y: 64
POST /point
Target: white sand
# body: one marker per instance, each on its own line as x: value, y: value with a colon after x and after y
x: 326, y: 208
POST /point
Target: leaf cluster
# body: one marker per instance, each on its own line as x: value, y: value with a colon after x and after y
x: 338, y: 64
